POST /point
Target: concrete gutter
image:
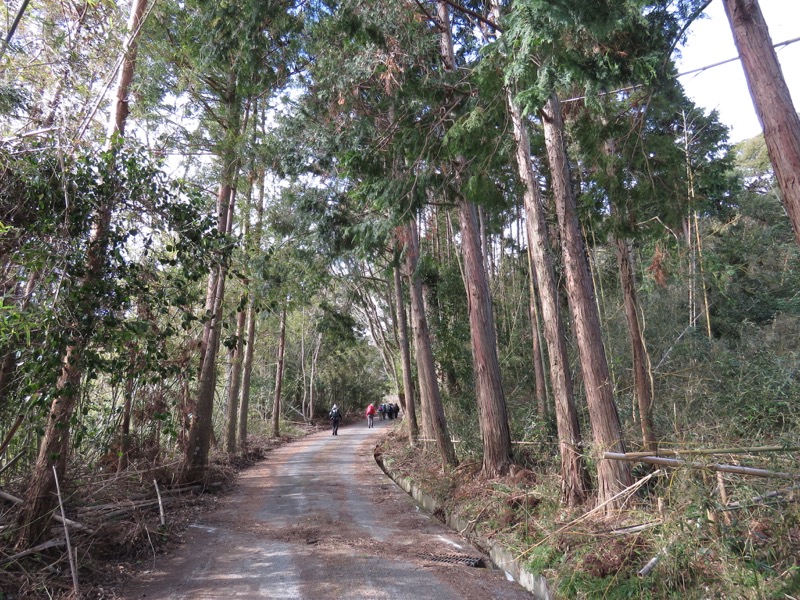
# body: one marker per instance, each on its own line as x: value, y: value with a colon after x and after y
x: 501, y: 556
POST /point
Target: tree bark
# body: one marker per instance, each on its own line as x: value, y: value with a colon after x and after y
x: 574, y: 476
x: 247, y: 370
x: 642, y: 382
x: 429, y: 386
x: 405, y: 352
x: 538, y: 359
x: 313, y: 378
x: 252, y: 314
x: 276, y: 405
x: 488, y: 384
x: 612, y: 476
x: 772, y: 100
x: 120, y: 107
x: 201, y: 425
x: 235, y: 384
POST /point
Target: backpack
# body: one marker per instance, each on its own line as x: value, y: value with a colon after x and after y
x: 334, y: 414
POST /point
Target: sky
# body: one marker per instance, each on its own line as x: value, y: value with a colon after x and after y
x: 710, y: 41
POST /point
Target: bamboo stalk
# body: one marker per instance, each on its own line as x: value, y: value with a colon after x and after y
x: 72, y: 559
x: 673, y: 462
x: 160, y: 503
x: 753, y: 450
x: 11, y: 463
x: 59, y: 518
x: 45, y: 546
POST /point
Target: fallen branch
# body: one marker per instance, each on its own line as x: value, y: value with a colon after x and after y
x: 635, y: 528
x: 138, y: 503
x: 11, y: 463
x: 129, y: 509
x: 10, y: 434
x: 674, y: 462
x: 45, y: 546
x: 628, y: 490
x: 762, y: 498
x: 59, y: 518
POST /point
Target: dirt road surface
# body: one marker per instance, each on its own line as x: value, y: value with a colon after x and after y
x: 319, y: 520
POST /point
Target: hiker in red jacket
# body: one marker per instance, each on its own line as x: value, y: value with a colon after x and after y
x: 370, y: 415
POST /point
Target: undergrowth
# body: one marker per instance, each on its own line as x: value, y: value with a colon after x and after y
x: 710, y: 536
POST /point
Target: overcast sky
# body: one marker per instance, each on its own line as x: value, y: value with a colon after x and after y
x: 724, y: 87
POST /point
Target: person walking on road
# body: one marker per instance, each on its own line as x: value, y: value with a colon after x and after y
x: 335, y: 416
x: 370, y: 415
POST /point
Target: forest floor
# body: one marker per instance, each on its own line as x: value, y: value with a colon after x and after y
x: 120, y: 518
x: 674, y: 538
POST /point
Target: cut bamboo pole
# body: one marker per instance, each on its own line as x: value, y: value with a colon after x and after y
x: 72, y: 559
x: 160, y: 504
x: 59, y: 518
x: 674, y: 462
x: 45, y: 546
x: 754, y: 450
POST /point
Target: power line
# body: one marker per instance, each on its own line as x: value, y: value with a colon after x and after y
x: 724, y: 62
x: 698, y: 70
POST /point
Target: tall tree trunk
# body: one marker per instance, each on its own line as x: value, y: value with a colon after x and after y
x: 405, y: 352
x: 40, y: 497
x: 771, y: 98
x: 247, y: 370
x: 538, y: 361
x: 201, y: 426
x: 493, y: 416
x: 276, y: 405
x: 642, y: 382
x: 612, y: 476
x: 574, y: 476
x: 432, y: 409
x: 488, y: 384
x: 252, y: 314
x: 313, y: 378
x: 234, y: 386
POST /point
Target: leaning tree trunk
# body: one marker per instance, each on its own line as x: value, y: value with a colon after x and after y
x: 771, y: 98
x: 612, y: 476
x: 488, y: 385
x: 405, y: 350
x: 276, y: 405
x: 40, y: 498
x: 429, y: 386
x: 642, y: 382
x: 574, y: 476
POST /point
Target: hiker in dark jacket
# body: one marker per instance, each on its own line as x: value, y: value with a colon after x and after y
x: 335, y: 416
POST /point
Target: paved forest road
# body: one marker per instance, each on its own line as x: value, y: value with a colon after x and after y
x: 319, y: 520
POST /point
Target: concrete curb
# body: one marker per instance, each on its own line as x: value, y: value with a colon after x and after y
x: 500, y: 555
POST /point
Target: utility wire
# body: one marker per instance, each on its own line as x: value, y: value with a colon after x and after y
x: 698, y: 70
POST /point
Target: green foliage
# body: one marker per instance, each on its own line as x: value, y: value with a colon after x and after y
x: 159, y: 245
